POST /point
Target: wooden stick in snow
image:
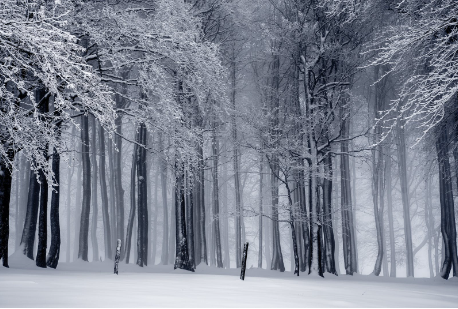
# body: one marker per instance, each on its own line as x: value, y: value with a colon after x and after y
x: 117, y: 256
x: 245, y: 253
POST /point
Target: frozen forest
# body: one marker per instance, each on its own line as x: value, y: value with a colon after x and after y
x: 167, y: 136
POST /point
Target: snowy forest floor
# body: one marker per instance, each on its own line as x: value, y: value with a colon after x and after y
x: 83, y: 284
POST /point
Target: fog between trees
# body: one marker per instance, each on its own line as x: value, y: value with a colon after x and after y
x: 324, y: 133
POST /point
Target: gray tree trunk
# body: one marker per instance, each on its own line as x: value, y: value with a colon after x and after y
x: 103, y: 190
x: 86, y: 205
x: 95, y: 245
x: 402, y: 164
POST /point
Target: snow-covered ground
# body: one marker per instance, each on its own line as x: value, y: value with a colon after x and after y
x: 94, y: 285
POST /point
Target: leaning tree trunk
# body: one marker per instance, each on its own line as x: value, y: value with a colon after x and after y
x: 130, y: 223
x: 86, y: 205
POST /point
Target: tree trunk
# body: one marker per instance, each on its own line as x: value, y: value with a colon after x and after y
x: 69, y: 199
x: 261, y: 164
x: 95, y: 245
x: 181, y: 257
x: 104, y: 194
x: 30, y: 223
x: 77, y: 212
x: 142, y: 235
x: 5, y: 194
x: 86, y: 205
x: 133, y: 206
x: 215, y: 211
x: 112, y: 196
x: 153, y: 214
x: 448, y: 226
x: 54, y: 251
x: 390, y: 217
x: 402, y: 163
x: 43, y: 219
x: 327, y: 216
x: 165, y: 218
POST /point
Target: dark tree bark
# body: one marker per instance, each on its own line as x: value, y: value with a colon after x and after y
x: 54, y: 250
x: 42, y: 221
x: 181, y: 251
x: 201, y: 193
x: 86, y: 204
x: 30, y: 223
x: 327, y: 216
x: 117, y: 256
x: 190, y: 217
x: 104, y: 195
x: 142, y: 235
x: 5, y: 194
x: 244, y: 257
x: 133, y: 205
x: 448, y: 225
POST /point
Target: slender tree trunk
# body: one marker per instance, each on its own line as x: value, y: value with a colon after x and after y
x: 30, y: 223
x: 428, y: 219
x: 86, y: 205
x: 203, y: 238
x: 215, y: 221
x: 112, y: 196
x: 43, y: 219
x: 390, y: 216
x: 104, y: 194
x: 54, y: 251
x: 182, y: 257
x: 327, y: 216
x: 261, y: 164
x: 77, y: 212
x: 153, y: 206
x: 190, y: 216
x: 69, y: 199
x: 227, y: 259
x: 402, y: 163
x: 165, y: 219
x: 119, y: 191
x: 5, y: 194
x: 95, y: 245
x: 142, y: 235
x: 133, y: 206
